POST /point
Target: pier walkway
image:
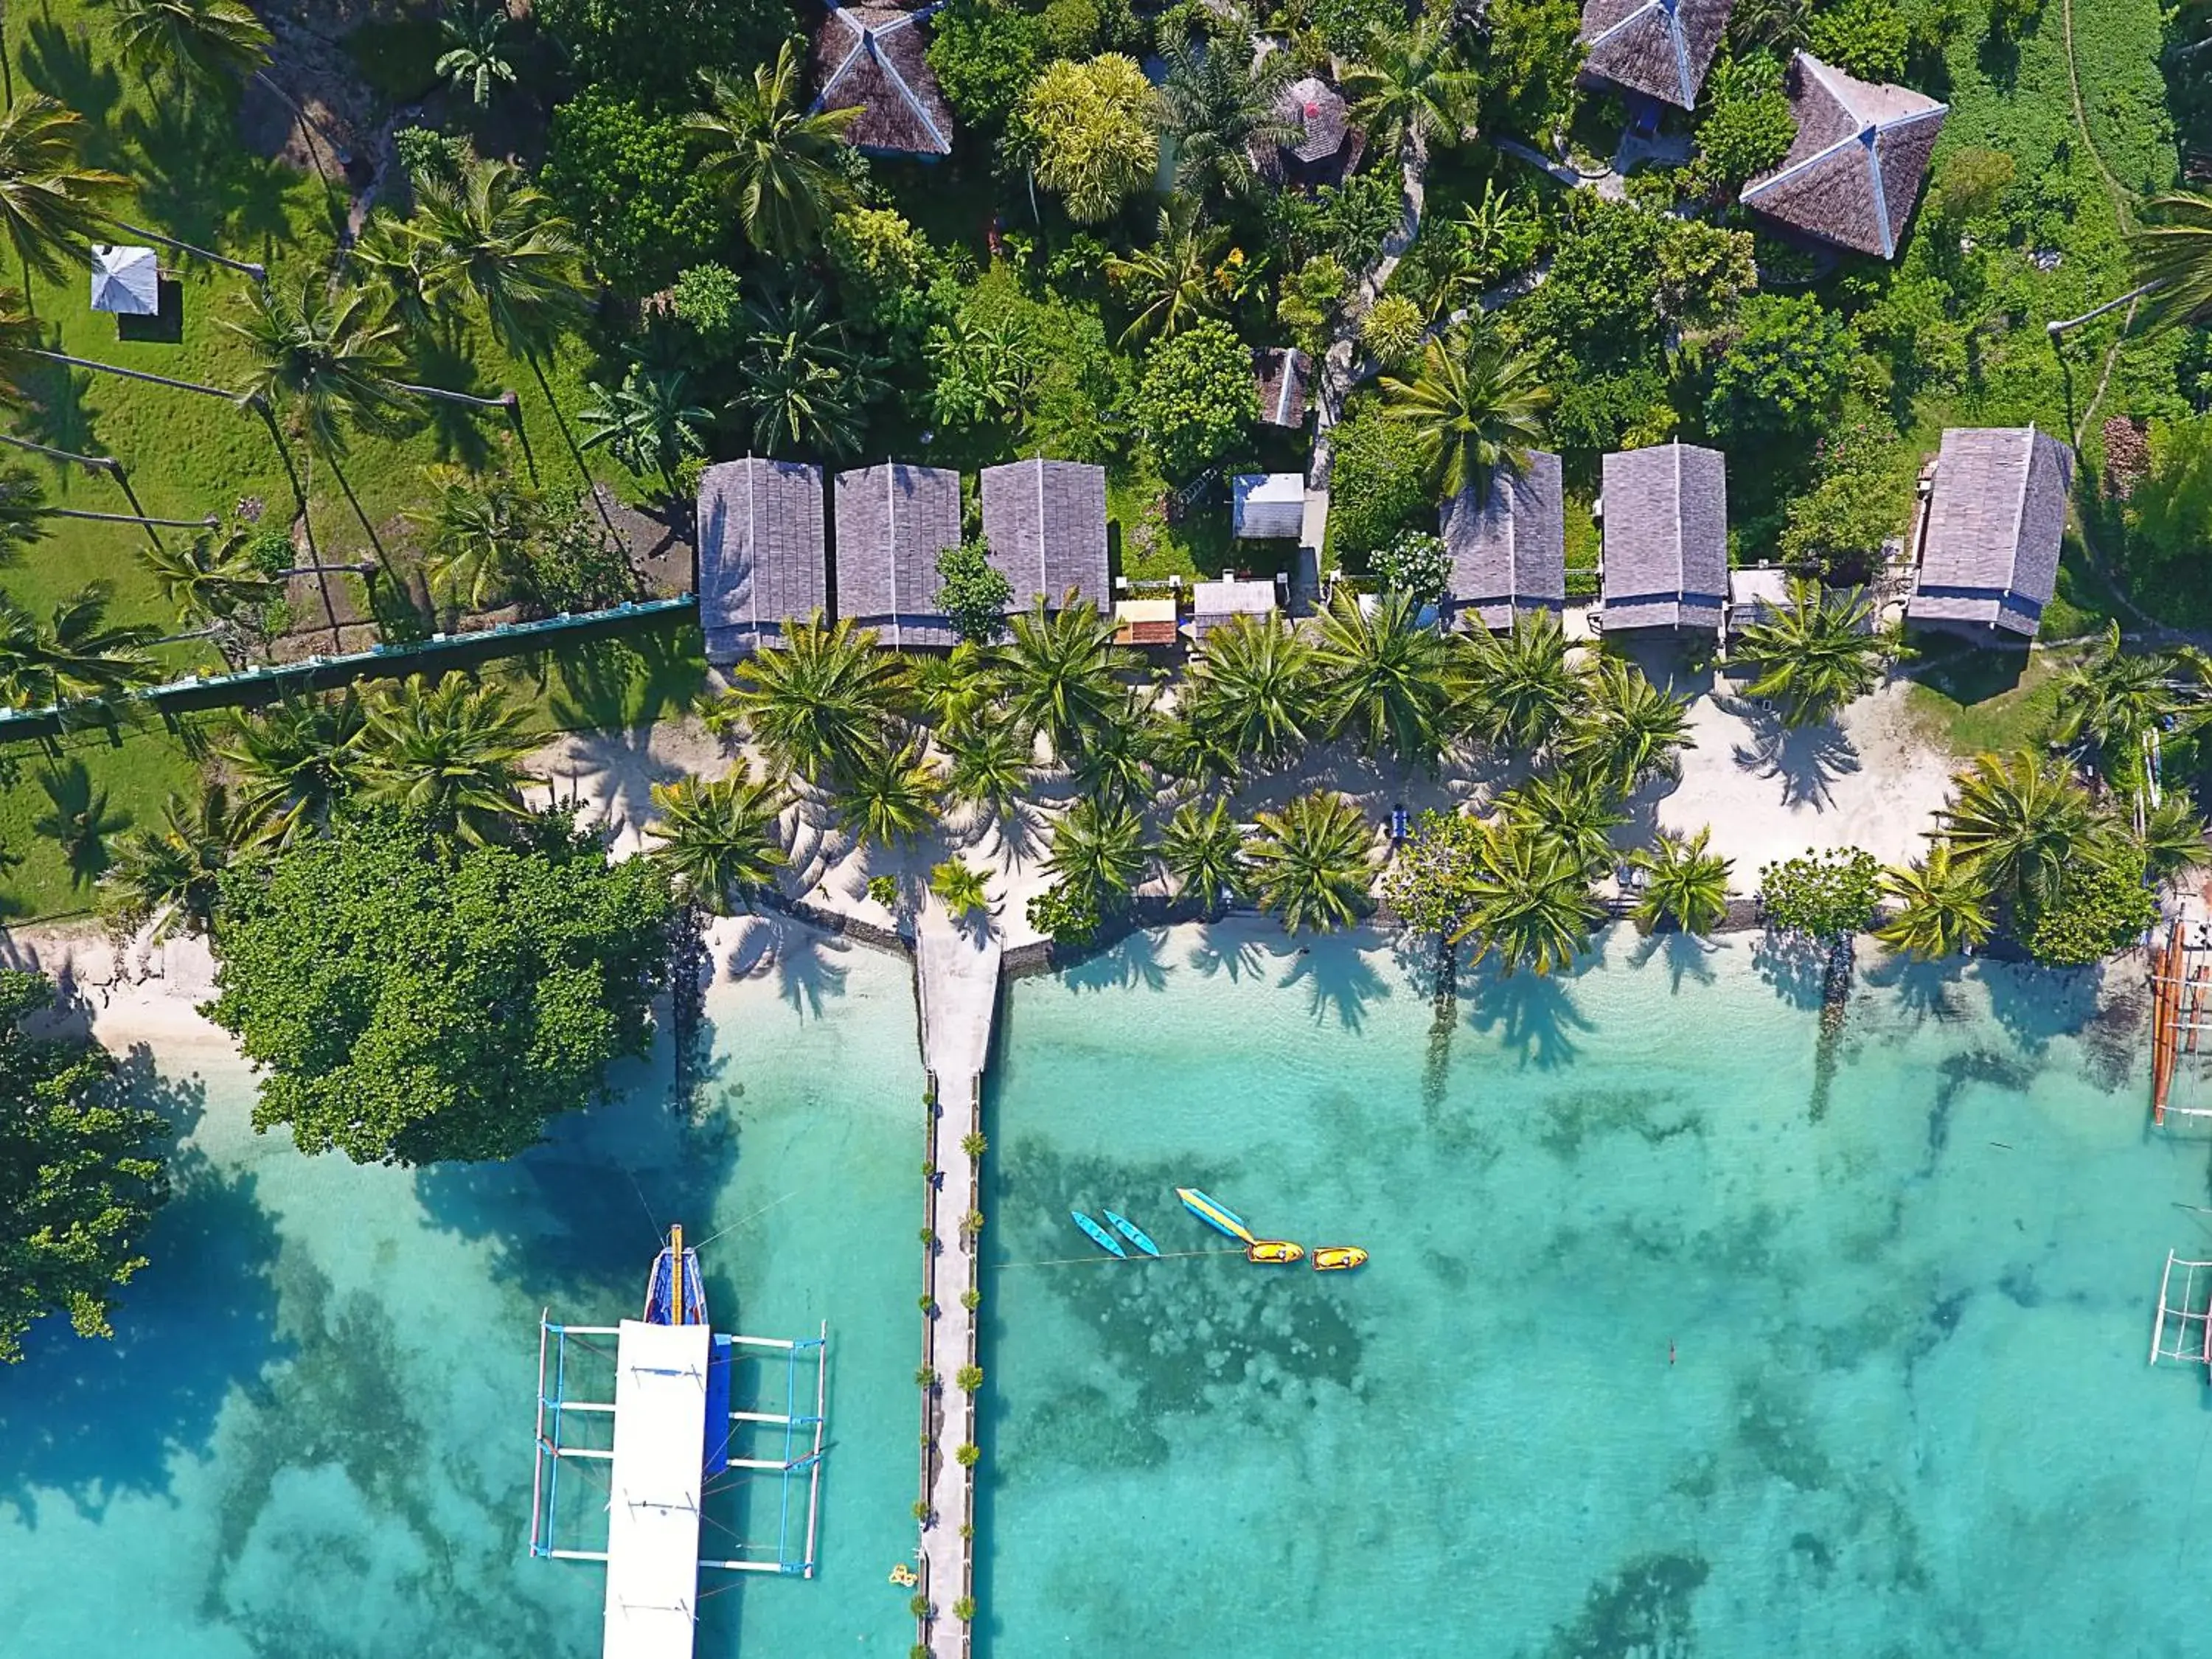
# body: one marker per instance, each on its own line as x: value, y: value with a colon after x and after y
x: 957, y: 971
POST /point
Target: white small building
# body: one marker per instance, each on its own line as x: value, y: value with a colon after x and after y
x: 1214, y: 603
x: 125, y: 280
x: 1267, y: 505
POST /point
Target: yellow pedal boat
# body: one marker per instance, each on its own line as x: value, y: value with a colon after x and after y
x: 1275, y: 1251
x: 1337, y: 1258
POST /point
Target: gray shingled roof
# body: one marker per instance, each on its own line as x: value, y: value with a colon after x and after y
x: 893, y: 522
x: 761, y: 560
x: 1509, y: 553
x: 1045, y: 524
x: 1854, y: 172
x: 875, y: 57
x: 1665, y: 561
x: 1661, y: 48
x: 1995, y: 520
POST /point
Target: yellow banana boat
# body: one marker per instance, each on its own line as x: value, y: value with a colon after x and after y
x: 1275, y: 1251
x: 1337, y: 1258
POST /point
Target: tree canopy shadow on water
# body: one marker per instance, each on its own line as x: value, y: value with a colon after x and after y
x: 2035, y: 1003
x: 1338, y: 979
x: 1794, y: 964
x: 1228, y: 953
x: 1534, y: 1015
x: 1134, y: 962
x: 92, y: 1419
x: 1925, y: 990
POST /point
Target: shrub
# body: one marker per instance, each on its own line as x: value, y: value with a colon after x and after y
x: 971, y: 1298
x: 656, y: 48
x: 1867, y: 38
x: 2101, y: 906
x: 972, y: 591
x: 1836, y: 529
x: 984, y: 53
x: 966, y: 1456
x: 1528, y: 65
x: 1378, y: 485
x: 925, y: 1378
x: 1345, y: 25
x: 967, y: 1378
x: 2169, y: 519
x: 884, y: 890
x: 876, y: 254
x: 964, y: 1609
x: 627, y: 179
x: 428, y: 154
x: 1747, y: 127
x: 1393, y: 330
x: 1065, y: 913
x: 974, y: 1144
x: 575, y: 564
x: 1427, y: 884
x: 708, y: 300
x: 1088, y: 130
x: 1702, y: 269
x: 920, y: 1606
x: 1823, y: 894
x: 1358, y: 216
x: 1416, y: 563
x: 1784, y: 373
x: 1308, y: 299
x: 1197, y: 400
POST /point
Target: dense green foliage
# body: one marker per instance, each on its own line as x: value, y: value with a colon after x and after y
x: 628, y: 177
x: 1197, y: 399
x: 1377, y: 486
x: 2100, y: 907
x: 972, y: 591
x: 1821, y: 894
x: 1785, y: 373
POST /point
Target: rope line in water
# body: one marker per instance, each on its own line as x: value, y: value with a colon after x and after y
x: 1093, y: 1260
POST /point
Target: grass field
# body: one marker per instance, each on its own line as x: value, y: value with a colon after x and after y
x: 1972, y: 699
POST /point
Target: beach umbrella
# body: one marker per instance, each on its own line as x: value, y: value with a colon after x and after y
x: 126, y: 281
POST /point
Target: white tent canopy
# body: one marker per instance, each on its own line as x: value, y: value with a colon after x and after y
x: 126, y: 281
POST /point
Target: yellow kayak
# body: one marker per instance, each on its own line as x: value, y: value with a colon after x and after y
x: 1275, y: 1251
x: 1337, y: 1258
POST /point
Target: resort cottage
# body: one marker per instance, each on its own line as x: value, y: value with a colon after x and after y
x: 1855, y: 170
x: 1989, y: 536
x: 1663, y: 557
x: 762, y: 562
x: 1284, y: 375
x: 893, y: 522
x: 1509, y: 549
x: 875, y: 57
x: 1044, y: 523
x: 1661, y: 48
x: 1323, y: 147
x: 1215, y: 602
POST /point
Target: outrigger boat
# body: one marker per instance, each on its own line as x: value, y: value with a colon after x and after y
x: 1130, y: 1230
x: 1104, y: 1240
x: 1275, y: 1251
x: 1219, y: 1218
x: 1337, y: 1258
x: 675, y: 1294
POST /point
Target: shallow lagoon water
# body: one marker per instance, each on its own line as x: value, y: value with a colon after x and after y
x: 1907, y: 1292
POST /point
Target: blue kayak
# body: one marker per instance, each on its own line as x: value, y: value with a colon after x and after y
x: 1104, y: 1240
x: 1130, y: 1230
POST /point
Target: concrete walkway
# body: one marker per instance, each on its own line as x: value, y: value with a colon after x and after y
x: 957, y: 969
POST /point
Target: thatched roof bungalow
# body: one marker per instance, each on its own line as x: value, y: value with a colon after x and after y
x: 1661, y: 48
x: 1509, y: 550
x: 1045, y: 524
x: 1990, y: 547
x: 875, y: 57
x: 893, y: 522
x: 1323, y: 147
x: 1663, y: 561
x: 1855, y: 170
x: 761, y: 560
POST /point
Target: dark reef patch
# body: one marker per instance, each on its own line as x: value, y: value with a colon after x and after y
x: 1641, y: 1612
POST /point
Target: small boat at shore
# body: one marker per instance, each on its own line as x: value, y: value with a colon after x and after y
x: 1104, y: 1240
x: 1337, y: 1258
x: 1274, y: 1252
x: 1130, y: 1230
x: 674, y: 1292
x: 1216, y: 1216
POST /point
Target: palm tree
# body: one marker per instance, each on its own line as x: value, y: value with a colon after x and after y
x: 1204, y: 851
x: 777, y: 160
x: 719, y: 839
x: 1517, y: 689
x: 989, y: 765
x: 2103, y: 706
x: 1169, y: 284
x: 1312, y: 862
x: 889, y: 792
x: 1529, y: 901
x: 816, y: 702
x: 399, y: 267
x: 1098, y: 850
x: 1383, y: 676
x: 321, y: 352
x: 194, y: 39
x: 1629, y: 731
x: 1115, y: 761
x: 648, y: 423
x: 22, y: 510
x: 1571, y: 812
x: 1218, y: 106
x: 1943, y: 906
x: 78, y: 655
x: 209, y: 579
x: 451, y: 751
x: 800, y: 381
x: 1684, y: 883
x: 478, y: 536
x: 499, y: 242
x: 171, y: 874
x: 1252, y: 686
x: 293, y: 760
x: 1817, y: 653
x: 2173, y: 838
x: 1057, y: 673
x: 960, y: 888
x: 2173, y: 250
x: 1412, y: 87
x: 2016, y: 822
x: 51, y: 204
x: 475, y: 53
x: 1188, y: 746
x: 1473, y: 407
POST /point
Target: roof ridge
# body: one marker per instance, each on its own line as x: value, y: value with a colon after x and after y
x: 1681, y: 561
x: 890, y: 547
x: 1870, y: 136
x: 1605, y: 36
x: 2020, y: 512
x: 1795, y: 168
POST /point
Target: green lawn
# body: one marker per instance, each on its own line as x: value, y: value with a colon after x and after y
x: 1972, y: 698
x: 128, y: 775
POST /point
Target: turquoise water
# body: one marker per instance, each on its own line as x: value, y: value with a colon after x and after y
x: 312, y: 1438
x: 1909, y: 1297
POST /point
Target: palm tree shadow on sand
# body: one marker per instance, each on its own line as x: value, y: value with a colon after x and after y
x: 1805, y: 760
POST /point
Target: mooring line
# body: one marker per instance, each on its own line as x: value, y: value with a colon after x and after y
x: 1093, y: 1260
x: 742, y: 1219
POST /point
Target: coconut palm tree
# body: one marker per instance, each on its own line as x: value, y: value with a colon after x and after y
x: 776, y: 160
x: 1098, y: 850
x: 2104, y: 705
x: 1473, y: 407
x: 1169, y: 284
x: 399, y: 268
x: 1685, y: 885
x: 51, y: 204
x: 169, y: 875
x: 210, y: 579
x: 1529, y: 901
x: 451, y: 751
x: 1573, y: 813
x: 648, y: 423
x: 987, y: 765
x: 960, y: 888
x: 1056, y: 672
x: 1516, y: 689
x: 500, y: 245
x: 1252, y: 684
x: 1188, y: 746
x: 2173, y: 838
x: 1817, y: 653
x: 1115, y: 761
x: 2172, y: 249
x: 22, y: 510
x: 1312, y: 863
x: 1382, y: 677
x: 889, y: 792
x: 814, y: 702
x: 2016, y: 821
x: 474, y: 59
x: 718, y: 839
x: 201, y: 41
x: 478, y: 536
x: 1412, y: 86
x: 1942, y: 906
x: 1218, y: 106
x: 78, y: 655
x: 800, y: 380
x: 1203, y: 849
x: 1628, y: 731
x: 293, y: 760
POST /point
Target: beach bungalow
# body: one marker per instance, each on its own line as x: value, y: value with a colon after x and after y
x: 1662, y: 561
x: 1323, y: 147
x: 1044, y: 523
x: 762, y: 564
x: 1215, y: 602
x: 1854, y: 171
x: 1509, y: 550
x: 893, y: 522
x: 1989, y: 554
x: 1757, y: 593
x: 1267, y: 505
x: 1284, y: 375
x: 875, y: 58
x: 1661, y: 48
